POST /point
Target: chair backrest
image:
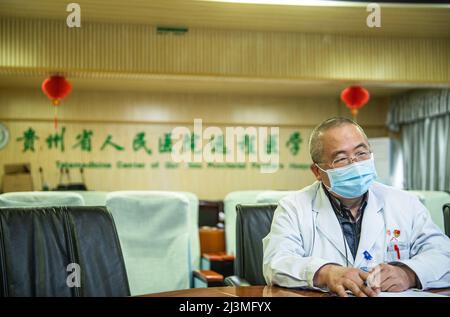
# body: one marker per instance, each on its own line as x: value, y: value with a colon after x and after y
x: 40, y: 249
x: 153, y: 230
x: 433, y: 201
x: 93, y: 198
x: 446, y: 210
x: 272, y: 196
x: 230, y: 202
x: 194, y: 237
x: 253, y: 224
x: 41, y: 199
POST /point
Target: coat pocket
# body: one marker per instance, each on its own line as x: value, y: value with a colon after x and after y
x: 397, y: 251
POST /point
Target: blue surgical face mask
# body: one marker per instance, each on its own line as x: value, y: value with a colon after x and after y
x: 353, y: 180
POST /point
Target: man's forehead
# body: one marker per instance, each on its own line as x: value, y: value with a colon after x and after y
x: 346, y: 137
x: 343, y: 129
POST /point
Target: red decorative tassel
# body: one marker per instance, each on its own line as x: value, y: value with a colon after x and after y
x: 56, y: 114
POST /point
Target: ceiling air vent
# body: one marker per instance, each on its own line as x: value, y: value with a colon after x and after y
x: 171, y: 30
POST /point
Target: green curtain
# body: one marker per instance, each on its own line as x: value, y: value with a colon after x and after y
x: 423, y: 117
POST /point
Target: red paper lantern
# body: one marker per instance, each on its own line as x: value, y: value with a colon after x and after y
x: 56, y: 88
x: 355, y: 97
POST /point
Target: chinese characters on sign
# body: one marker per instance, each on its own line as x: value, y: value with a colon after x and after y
x: 83, y: 141
x: 28, y: 139
x: 294, y: 142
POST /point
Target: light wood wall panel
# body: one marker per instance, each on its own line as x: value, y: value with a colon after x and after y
x: 123, y: 114
x: 133, y: 50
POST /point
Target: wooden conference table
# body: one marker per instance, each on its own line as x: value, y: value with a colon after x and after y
x: 254, y: 291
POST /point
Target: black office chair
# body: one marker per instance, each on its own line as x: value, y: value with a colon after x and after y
x: 40, y: 248
x: 446, y: 210
x: 252, y: 225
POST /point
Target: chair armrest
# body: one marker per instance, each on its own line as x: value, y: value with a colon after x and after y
x: 235, y: 281
x: 219, y: 262
x: 218, y: 256
x: 207, y: 278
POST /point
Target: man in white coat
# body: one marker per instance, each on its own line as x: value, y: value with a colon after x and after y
x: 347, y: 232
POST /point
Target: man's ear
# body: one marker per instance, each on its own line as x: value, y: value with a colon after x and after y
x: 313, y: 167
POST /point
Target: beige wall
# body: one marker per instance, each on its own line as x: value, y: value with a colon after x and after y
x: 136, y: 55
x: 123, y: 114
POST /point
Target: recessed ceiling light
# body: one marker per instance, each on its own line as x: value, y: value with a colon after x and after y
x: 331, y: 3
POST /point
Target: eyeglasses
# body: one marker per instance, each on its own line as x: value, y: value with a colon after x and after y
x: 342, y: 161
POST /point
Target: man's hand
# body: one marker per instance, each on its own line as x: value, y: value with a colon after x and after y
x: 391, y: 278
x: 339, y: 279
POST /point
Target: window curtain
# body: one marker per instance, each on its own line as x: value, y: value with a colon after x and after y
x: 423, y: 118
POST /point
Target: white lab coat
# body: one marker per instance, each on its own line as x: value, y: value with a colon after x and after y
x: 306, y: 234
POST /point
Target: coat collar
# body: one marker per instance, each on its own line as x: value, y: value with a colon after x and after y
x: 373, y: 225
x: 329, y: 226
